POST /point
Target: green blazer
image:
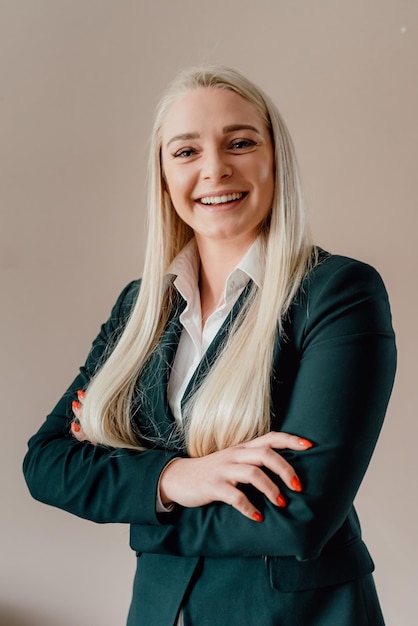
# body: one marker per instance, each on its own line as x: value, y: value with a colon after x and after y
x: 331, y: 380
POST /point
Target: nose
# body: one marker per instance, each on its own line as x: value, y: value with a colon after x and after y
x: 215, y: 165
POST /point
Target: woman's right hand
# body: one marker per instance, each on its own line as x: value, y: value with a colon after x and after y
x: 76, y: 427
x: 193, y: 482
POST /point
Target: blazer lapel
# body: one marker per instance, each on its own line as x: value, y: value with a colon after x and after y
x: 213, y: 350
x: 152, y: 413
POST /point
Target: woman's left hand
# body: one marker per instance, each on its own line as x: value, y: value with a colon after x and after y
x: 76, y: 428
x: 216, y: 477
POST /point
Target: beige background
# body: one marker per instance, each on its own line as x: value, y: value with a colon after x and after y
x: 79, y: 80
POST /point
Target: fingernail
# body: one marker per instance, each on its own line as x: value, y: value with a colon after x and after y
x: 305, y: 443
x: 296, y: 484
x: 281, y: 501
x: 81, y: 394
x: 257, y: 517
x: 76, y: 428
x: 75, y: 405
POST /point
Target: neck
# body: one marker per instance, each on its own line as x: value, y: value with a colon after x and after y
x: 217, y: 261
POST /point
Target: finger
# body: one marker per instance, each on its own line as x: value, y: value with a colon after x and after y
x: 261, y: 456
x: 255, y: 476
x: 81, y: 395
x: 239, y: 501
x: 283, y: 469
x: 281, y: 441
x: 76, y: 430
x: 77, y: 408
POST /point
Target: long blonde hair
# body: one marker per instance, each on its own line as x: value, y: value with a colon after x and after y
x: 232, y: 404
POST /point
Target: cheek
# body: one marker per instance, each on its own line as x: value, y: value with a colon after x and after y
x: 266, y: 181
x: 260, y: 171
x: 267, y: 172
x: 177, y: 181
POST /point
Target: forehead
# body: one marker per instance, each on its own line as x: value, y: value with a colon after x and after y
x: 209, y: 107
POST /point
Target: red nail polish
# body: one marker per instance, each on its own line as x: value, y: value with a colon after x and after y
x: 281, y: 501
x: 257, y: 517
x: 296, y: 484
x: 305, y: 443
x: 81, y: 394
x: 76, y: 428
x: 75, y: 405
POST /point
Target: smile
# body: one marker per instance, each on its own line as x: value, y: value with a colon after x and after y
x: 230, y: 197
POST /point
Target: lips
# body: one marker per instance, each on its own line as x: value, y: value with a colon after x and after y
x: 222, y: 199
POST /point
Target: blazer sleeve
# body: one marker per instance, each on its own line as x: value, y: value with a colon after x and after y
x: 98, y: 483
x: 346, y: 358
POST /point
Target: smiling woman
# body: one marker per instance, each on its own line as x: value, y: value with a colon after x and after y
x: 218, y: 168
x: 230, y: 405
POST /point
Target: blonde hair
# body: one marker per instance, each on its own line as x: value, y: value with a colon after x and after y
x: 232, y: 404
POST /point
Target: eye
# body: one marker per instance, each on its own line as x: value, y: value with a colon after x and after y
x: 242, y: 144
x: 184, y: 153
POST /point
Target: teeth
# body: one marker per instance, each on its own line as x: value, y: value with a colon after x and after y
x: 221, y: 199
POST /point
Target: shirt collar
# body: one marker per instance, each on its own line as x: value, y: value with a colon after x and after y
x: 184, y: 270
x: 252, y: 263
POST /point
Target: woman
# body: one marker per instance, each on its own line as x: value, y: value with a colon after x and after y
x: 229, y: 407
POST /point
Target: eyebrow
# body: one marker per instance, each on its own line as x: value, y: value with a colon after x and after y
x: 234, y: 127
x: 183, y: 137
x: 226, y: 129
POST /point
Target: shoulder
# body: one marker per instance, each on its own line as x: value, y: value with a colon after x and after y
x: 341, y: 295
x: 334, y: 273
x: 329, y: 264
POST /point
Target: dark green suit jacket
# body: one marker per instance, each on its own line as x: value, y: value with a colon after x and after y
x: 304, y: 565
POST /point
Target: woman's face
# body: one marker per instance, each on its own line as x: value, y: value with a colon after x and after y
x: 217, y: 160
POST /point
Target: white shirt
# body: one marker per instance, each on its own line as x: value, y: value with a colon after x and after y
x: 194, y: 341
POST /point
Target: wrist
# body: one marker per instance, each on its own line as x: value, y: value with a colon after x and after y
x: 163, y: 485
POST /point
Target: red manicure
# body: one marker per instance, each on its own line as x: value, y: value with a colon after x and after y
x: 296, y: 484
x: 75, y: 405
x: 281, y: 501
x: 81, y: 394
x: 76, y: 428
x: 305, y: 443
x: 257, y: 517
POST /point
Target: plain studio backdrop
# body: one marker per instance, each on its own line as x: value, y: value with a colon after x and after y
x: 79, y: 81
